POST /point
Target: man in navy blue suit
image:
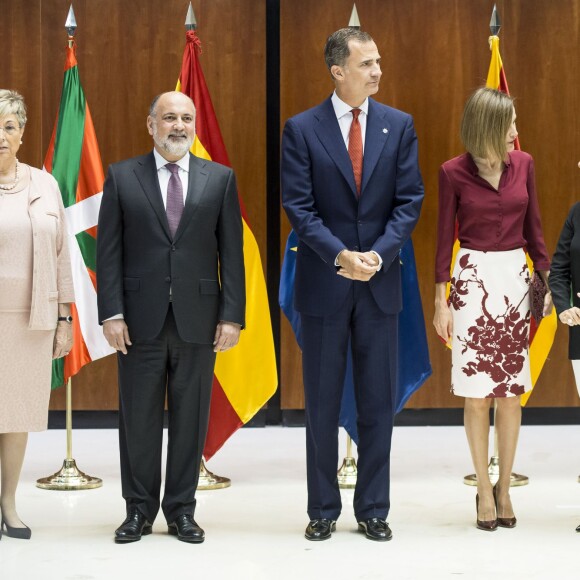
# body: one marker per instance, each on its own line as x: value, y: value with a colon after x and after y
x: 352, y: 189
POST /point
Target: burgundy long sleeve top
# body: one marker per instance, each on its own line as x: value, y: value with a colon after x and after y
x: 489, y: 220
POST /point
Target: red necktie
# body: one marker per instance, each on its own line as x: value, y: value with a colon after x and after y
x: 355, y: 149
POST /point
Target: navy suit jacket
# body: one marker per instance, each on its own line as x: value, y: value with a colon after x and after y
x: 319, y: 196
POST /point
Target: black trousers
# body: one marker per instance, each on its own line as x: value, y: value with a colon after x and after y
x: 150, y: 371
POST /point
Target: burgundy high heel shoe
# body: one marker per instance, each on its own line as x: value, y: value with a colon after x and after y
x: 485, y: 525
x: 503, y: 522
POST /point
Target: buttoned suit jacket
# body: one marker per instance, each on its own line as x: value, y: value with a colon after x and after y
x: 138, y: 261
x: 320, y: 198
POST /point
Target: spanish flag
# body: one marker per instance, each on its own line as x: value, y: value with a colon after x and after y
x: 74, y: 160
x: 245, y: 377
x: 541, y: 335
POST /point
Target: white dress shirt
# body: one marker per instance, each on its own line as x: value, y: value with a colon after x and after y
x: 344, y: 115
x: 163, y: 174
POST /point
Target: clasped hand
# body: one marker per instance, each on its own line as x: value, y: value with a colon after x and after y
x: 360, y: 266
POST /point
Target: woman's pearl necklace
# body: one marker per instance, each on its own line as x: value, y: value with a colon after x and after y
x: 9, y: 186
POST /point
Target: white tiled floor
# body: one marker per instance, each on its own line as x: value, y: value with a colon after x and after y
x: 255, y: 528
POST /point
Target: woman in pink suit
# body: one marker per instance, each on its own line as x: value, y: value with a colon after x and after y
x: 35, y: 294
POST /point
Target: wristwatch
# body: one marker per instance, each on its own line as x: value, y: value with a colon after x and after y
x: 65, y: 319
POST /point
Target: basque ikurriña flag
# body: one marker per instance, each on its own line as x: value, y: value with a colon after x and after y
x: 74, y: 160
x: 245, y: 377
x: 414, y: 366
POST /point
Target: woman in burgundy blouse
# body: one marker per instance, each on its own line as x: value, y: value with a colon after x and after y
x: 490, y: 193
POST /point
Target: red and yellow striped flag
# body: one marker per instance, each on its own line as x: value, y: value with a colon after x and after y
x: 541, y: 335
x: 74, y: 160
x: 245, y: 377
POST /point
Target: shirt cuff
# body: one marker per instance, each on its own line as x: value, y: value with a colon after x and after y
x: 378, y: 258
x: 116, y: 317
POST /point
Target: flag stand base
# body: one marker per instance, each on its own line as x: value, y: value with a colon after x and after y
x: 209, y: 480
x: 347, y: 473
x: 69, y: 478
x: 516, y: 479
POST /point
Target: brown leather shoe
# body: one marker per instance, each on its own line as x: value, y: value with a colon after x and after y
x: 503, y: 522
x: 485, y: 525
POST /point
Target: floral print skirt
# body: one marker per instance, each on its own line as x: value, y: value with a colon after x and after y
x: 490, y: 304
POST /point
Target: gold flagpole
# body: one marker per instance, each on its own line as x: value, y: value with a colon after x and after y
x: 493, y: 468
x: 348, y: 471
x: 69, y: 477
x: 516, y: 480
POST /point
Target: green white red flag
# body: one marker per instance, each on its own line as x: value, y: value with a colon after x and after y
x: 74, y: 160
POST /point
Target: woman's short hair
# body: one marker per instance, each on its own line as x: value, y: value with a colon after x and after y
x: 487, y: 117
x: 12, y: 103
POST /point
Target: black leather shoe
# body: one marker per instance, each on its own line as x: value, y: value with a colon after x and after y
x: 134, y: 526
x: 318, y: 530
x: 375, y: 529
x: 19, y: 533
x: 578, y: 529
x: 186, y: 530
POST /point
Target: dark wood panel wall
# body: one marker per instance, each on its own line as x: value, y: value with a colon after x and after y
x: 434, y: 52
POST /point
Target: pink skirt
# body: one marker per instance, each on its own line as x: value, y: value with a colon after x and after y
x: 490, y: 304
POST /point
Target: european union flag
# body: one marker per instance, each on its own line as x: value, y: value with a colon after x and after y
x: 414, y: 364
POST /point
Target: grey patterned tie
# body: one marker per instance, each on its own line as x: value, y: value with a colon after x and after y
x: 174, y: 198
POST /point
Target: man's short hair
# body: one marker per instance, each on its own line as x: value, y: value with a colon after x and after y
x: 153, y: 105
x: 487, y: 117
x: 336, y: 48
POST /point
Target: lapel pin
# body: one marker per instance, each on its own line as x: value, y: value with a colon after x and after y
x: 385, y: 130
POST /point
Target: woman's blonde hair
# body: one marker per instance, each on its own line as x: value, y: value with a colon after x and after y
x: 487, y: 117
x: 12, y: 103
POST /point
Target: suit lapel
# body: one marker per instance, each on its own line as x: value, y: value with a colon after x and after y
x: 328, y: 131
x: 146, y: 173
x: 377, y: 133
x: 197, y: 180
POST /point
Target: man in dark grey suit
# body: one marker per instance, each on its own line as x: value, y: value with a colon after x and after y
x: 171, y: 293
